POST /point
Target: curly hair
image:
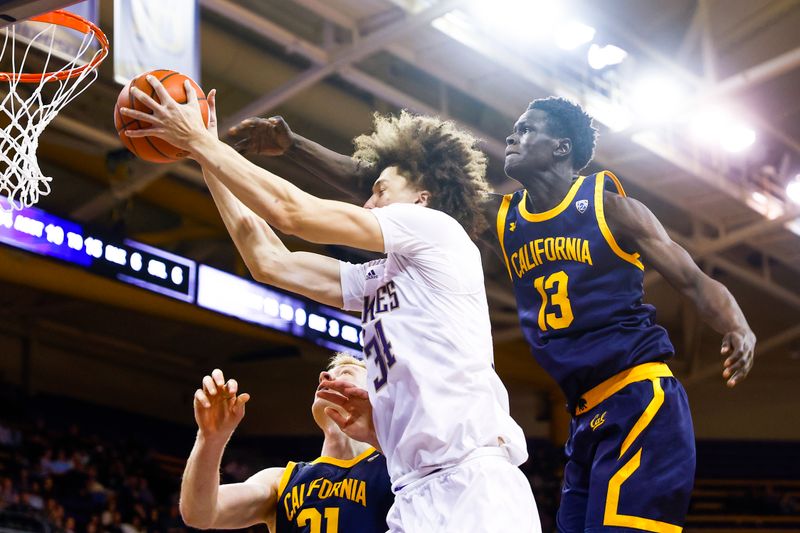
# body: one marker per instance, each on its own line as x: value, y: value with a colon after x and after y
x: 568, y: 119
x: 434, y: 155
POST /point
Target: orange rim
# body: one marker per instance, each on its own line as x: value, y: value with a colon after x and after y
x: 77, y: 23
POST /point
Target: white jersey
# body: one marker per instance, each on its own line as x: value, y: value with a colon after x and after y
x: 428, y: 345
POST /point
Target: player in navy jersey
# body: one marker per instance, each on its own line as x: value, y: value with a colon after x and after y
x: 347, y: 489
x: 575, y: 250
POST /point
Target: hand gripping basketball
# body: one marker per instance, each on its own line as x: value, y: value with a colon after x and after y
x: 180, y: 125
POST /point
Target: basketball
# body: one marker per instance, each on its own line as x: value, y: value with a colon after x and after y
x: 154, y: 149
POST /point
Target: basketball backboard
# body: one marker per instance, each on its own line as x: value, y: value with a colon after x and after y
x: 12, y: 11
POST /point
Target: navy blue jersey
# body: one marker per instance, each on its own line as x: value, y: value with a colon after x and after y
x: 579, y: 295
x: 331, y: 495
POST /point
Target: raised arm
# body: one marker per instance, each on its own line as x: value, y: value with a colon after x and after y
x: 272, y: 198
x: 268, y: 260
x: 273, y: 137
x: 204, y: 504
x: 636, y: 225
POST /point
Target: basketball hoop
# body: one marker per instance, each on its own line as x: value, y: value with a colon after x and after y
x: 62, y: 79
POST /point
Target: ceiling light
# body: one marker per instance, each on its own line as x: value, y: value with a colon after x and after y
x: 759, y: 197
x: 657, y: 98
x: 737, y: 137
x: 600, y: 57
x: 718, y: 127
x: 573, y: 34
x: 528, y: 20
x: 793, y: 190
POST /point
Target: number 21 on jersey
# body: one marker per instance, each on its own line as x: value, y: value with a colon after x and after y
x: 553, y: 290
x: 313, y: 519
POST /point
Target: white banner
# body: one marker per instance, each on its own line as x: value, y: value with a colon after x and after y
x: 156, y: 34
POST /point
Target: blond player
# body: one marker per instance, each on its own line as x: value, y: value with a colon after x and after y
x: 347, y: 488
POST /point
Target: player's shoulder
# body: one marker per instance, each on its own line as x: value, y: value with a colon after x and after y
x: 270, y: 478
x: 625, y: 214
x: 415, y: 211
x: 435, y: 224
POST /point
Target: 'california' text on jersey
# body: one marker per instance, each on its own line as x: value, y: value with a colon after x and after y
x: 579, y: 295
x: 335, y: 496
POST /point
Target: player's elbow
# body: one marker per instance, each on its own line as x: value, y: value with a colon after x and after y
x: 194, y: 519
x: 268, y: 265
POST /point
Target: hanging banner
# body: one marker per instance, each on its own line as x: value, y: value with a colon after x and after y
x: 156, y: 34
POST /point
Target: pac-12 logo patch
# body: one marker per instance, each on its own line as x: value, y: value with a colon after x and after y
x: 582, y: 205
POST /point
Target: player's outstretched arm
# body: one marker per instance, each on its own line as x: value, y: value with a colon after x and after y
x: 273, y: 137
x: 636, y: 224
x: 281, y: 204
x: 268, y: 260
x: 204, y: 504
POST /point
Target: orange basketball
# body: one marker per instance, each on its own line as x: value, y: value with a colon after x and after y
x: 154, y: 149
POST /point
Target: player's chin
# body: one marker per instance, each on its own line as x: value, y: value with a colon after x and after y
x: 511, y: 169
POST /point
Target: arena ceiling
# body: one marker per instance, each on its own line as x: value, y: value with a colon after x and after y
x: 327, y: 65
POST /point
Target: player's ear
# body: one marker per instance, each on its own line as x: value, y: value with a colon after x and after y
x: 423, y: 197
x: 563, y: 148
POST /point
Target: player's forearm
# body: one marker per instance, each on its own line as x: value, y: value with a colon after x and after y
x: 717, y: 306
x: 264, y: 254
x: 339, y: 170
x: 269, y: 196
x: 254, y: 239
x: 200, y: 483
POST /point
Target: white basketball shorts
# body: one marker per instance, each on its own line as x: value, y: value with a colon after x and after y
x: 485, y: 493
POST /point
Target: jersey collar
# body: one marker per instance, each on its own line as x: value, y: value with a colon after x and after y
x: 547, y: 215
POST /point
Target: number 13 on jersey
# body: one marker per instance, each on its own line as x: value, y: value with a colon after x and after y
x: 553, y: 290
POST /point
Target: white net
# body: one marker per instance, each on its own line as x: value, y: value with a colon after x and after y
x: 30, y: 101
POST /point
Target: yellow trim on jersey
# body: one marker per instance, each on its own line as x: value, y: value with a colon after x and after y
x: 547, y: 215
x: 619, y: 381
x: 611, y: 516
x: 601, y: 217
x: 617, y: 183
x: 647, y: 416
x: 344, y: 463
x: 502, y: 213
x: 287, y: 472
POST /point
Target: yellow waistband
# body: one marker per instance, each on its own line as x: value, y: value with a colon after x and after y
x: 619, y: 381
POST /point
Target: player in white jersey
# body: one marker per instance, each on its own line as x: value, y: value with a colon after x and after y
x: 440, y: 412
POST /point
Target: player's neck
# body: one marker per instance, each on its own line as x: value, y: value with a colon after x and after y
x: 340, y: 446
x: 547, y: 189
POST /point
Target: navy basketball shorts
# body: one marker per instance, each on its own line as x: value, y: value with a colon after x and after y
x: 630, y: 456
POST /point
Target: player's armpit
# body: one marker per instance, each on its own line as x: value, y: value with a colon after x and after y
x: 252, y: 502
